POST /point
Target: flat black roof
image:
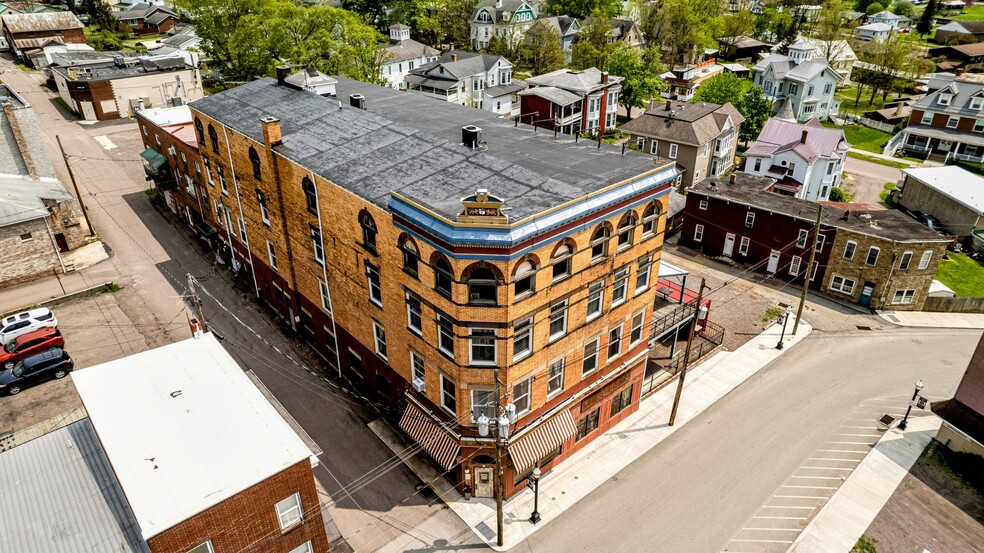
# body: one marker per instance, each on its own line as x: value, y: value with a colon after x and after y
x: 887, y: 224
x: 411, y: 144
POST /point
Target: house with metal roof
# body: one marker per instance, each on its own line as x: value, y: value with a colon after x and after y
x: 959, y: 32
x: 39, y: 218
x: 873, y: 32
x: 952, y: 194
x: 572, y: 101
x: 29, y: 32
x: 805, y: 159
x: 892, y: 20
x: 403, y: 54
x: 801, y: 79
x: 471, y: 79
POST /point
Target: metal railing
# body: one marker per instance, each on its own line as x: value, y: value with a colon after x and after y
x: 668, y: 321
x: 660, y: 372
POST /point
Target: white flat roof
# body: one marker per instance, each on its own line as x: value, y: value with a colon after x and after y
x: 954, y: 182
x: 168, y: 116
x: 184, y: 429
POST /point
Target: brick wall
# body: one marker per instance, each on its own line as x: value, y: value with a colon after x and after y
x: 29, y: 257
x: 248, y: 522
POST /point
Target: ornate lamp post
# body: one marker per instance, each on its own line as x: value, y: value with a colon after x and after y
x: 785, y: 319
x: 905, y: 420
x: 535, y: 481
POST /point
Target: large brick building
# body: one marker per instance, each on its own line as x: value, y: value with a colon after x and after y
x: 423, y: 247
x: 875, y: 258
x: 28, y: 33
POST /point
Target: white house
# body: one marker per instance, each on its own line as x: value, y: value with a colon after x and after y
x: 508, y: 19
x: 838, y: 53
x: 477, y: 80
x: 873, y: 32
x: 895, y: 22
x: 806, y: 82
x: 805, y: 159
x: 403, y: 55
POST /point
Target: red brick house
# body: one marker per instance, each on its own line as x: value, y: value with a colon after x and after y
x: 147, y: 19
x: 30, y: 32
x: 205, y: 462
x: 571, y: 101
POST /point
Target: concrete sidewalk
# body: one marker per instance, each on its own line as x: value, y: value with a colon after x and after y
x: 850, y: 511
x: 926, y: 319
x: 600, y: 460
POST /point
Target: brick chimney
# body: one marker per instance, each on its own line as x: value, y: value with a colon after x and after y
x: 898, y: 108
x: 454, y: 57
x: 669, y: 105
x: 283, y: 71
x: 734, y: 178
x: 604, y: 77
x: 959, y: 71
x: 271, y: 131
x: 803, y: 138
x: 21, y: 141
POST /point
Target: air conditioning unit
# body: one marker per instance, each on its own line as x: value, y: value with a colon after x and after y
x: 418, y: 385
x: 171, y: 150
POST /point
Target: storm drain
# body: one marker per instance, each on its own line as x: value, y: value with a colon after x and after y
x: 863, y: 327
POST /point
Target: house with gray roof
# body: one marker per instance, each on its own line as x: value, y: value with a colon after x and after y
x: 144, y: 18
x: 959, y: 32
x: 567, y: 28
x: 403, y: 55
x: 27, y: 33
x: 805, y: 159
x: 481, y: 81
x: 894, y: 21
x: 948, y: 123
x: 572, y: 101
x: 803, y: 80
x: 506, y: 19
x: 39, y: 219
x: 873, y: 32
x: 952, y: 194
x: 701, y: 137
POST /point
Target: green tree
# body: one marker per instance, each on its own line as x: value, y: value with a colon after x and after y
x: 541, y: 51
x: 103, y: 40
x: 373, y: 10
x: 874, y: 8
x: 499, y: 46
x: 756, y: 109
x: 746, y: 98
x: 904, y: 8
x: 640, y: 71
x: 682, y: 28
x: 721, y: 89
x: 925, y: 24
x: 733, y: 27
x: 592, y: 46
x: 215, y: 23
x: 862, y: 5
x: 583, y: 8
x: 829, y: 27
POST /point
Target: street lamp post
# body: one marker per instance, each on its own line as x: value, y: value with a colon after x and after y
x: 785, y: 319
x: 905, y: 420
x: 535, y: 478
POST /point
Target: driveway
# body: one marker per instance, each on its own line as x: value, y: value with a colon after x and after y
x: 866, y: 179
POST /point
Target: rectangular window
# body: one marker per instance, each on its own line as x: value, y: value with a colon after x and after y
x: 793, y: 88
x: 590, y: 359
x: 587, y: 424
x: 640, y: 143
x: 317, y: 245
x: 820, y: 240
x: 615, y: 342
x: 289, y: 511
x: 642, y: 276
x: 379, y: 335
x: 419, y: 374
x: 26, y: 237
x: 636, y: 334
x: 951, y: 123
x: 804, y: 235
x: 841, y: 284
x: 303, y: 548
x: 521, y: 396
x: 414, y: 319
x: 522, y: 338
x: 208, y: 170
x: 555, y: 376
x: 758, y: 165
x: 558, y: 320
x: 706, y: 146
x: 906, y: 260
x: 794, y: 265
x: 827, y: 88
x: 482, y: 403
x: 375, y: 292
x: 272, y: 255
x: 445, y: 333
x: 872, y: 258
x: 673, y: 151
x: 264, y: 213
x: 703, y: 205
x: 903, y: 296
x: 979, y: 125
x: 449, y: 398
x: 596, y: 296
x: 653, y: 146
x: 621, y: 401
x: 325, y: 296
x: 749, y: 219
x: 242, y: 231
x: 618, y: 288
x: 849, y: 249
x: 924, y: 260
x: 483, y: 346
x: 203, y: 548
x: 830, y: 167
x: 813, y: 270
x: 927, y: 118
x: 698, y: 233
x: 743, y: 245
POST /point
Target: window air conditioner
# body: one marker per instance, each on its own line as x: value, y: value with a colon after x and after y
x: 418, y: 385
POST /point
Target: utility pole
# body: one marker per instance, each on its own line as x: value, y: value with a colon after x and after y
x: 809, y: 268
x: 686, y: 354
x: 196, y: 302
x: 498, y: 460
x: 78, y: 195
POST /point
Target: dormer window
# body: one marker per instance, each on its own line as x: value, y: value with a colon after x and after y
x: 484, y: 17
x: 976, y: 103
x: 944, y: 99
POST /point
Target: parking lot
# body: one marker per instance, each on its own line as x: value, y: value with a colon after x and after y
x: 96, y: 330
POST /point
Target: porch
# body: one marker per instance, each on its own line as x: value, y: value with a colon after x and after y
x: 939, y: 145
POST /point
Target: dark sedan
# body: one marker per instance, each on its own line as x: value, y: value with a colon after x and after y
x: 54, y: 363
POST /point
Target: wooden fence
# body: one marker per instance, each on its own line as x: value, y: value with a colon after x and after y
x: 954, y: 305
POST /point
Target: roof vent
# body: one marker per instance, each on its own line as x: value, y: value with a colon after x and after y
x: 733, y: 179
x: 357, y: 101
x: 847, y: 214
x: 865, y: 216
x: 283, y: 71
x: 471, y: 136
x: 803, y: 136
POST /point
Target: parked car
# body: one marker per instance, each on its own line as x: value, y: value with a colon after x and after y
x: 54, y: 363
x: 28, y: 344
x: 928, y: 220
x: 26, y: 321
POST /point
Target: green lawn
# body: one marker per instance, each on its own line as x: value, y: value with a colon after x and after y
x: 847, y: 96
x: 863, y: 138
x: 963, y: 275
x: 967, y: 14
x: 878, y: 160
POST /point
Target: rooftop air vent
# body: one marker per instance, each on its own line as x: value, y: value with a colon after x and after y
x: 357, y: 101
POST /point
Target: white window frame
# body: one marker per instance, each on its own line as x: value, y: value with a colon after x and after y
x: 802, y: 238
x: 418, y: 328
x: 418, y: 370
x: 952, y: 122
x: 594, y: 344
x: 641, y: 143
x: 853, y: 247
x: 643, y: 273
x: 842, y: 286
x: 615, y: 338
x: 207, y: 548
x: 750, y: 219
x: 325, y: 296
x: 445, y: 381
x: 698, y: 233
x: 905, y: 261
x: 482, y: 332
x: 927, y: 118
x: 379, y: 339
x: 637, y: 323
x: 523, y: 328
x: 562, y: 306
x: 903, y: 297
x: 445, y: 331
x: 702, y: 205
x: 927, y: 256
x: 672, y: 154
x: 596, y: 294
x: 877, y: 251
x: 976, y: 103
x: 653, y: 146
x: 378, y: 286
x: 303, y: 548
x: 620, y: 287
x: 820, y: 242
x: 518, y: 398
x: 272, y: 255
x: 553, y: 388
x: 286, y: 509
x: 743, y: 245
x: 794, y: 265
x: 318, y: 244
x: 476, y: 401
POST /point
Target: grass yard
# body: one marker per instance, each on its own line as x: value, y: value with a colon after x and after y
x: 863, y: 138
x: 879, y: 161
x: 963, y: 274
x: 847, y: 96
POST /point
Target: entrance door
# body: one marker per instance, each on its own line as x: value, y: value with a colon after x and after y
x: 88, y: 113
x: 62, y: 243
x: 729, y: 244
x: 866, y: 291
x: 773, y: 261
x: 483, y: 482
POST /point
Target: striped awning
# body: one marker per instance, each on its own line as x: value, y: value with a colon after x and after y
x: 431, y: 436
x: 543, y: 439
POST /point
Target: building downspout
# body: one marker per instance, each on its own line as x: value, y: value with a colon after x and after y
x: 239, y: 202
x: 55, y: 244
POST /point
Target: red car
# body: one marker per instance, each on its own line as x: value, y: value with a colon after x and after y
x: 29, y: 344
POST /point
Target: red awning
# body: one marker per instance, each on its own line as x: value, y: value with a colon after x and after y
x: 543, y: 439
x: 431, y: 435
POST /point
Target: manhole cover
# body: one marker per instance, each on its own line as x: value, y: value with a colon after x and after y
x: 863, y: 327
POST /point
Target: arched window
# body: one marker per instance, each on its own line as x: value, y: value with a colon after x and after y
x: 561, y: 261
x: 214, y: 137
x: 200, y: 130
x: 442, y: 277
x: 310, y: 196
x: 625, y: 229
x: 599, y: 243
x: 482, y: 287
x: 649, y: 219
x: 368, y: 231
x: 411, y: 257
x: 525, y: 278
x: 254, y: 160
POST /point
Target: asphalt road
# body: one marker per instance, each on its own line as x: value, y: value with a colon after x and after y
x: 699, y: 487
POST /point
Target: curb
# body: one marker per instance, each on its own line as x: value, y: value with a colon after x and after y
x: 90, y: 291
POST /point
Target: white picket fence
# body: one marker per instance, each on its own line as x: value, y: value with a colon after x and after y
x: 871, y: 123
